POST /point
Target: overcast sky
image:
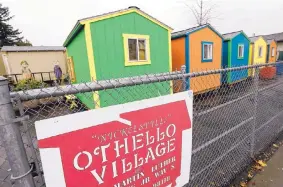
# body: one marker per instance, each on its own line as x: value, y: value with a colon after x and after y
x: 48, y: 22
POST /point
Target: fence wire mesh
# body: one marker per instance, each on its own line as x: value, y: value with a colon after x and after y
x: 237, y: 114
x: 4, y: 168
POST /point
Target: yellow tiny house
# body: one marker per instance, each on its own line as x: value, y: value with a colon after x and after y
x: 258, y: 51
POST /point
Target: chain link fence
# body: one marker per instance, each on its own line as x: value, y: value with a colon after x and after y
x: 238, y: 113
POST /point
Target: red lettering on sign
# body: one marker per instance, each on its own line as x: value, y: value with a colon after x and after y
x: 114, y: 154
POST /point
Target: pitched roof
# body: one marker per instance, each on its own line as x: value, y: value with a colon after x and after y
x: 254, y: 38
x: 81, y: 22
x: 184, y: 32
x: 32, y: 48
x: 269, y: 41
x: 230, y: 35
x: 278, y: 37
x: 121, y: 11
x: 193, y: 29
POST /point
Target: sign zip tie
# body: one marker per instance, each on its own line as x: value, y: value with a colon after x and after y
x: 21, y: 176
x: 20, y: 119
x: 16, y: 120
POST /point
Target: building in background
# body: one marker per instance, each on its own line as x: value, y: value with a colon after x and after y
x: 39, y: 59
x: 258, y: 51
x: 119, y: 44
x: 271, y: 51
x: 278, y: 37
x: 200, y: 49
x: 236, y: 48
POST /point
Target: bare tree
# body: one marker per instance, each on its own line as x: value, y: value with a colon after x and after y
x: 202, y: 11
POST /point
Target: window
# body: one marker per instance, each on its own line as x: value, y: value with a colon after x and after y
x: 136, y: 49
x: 207, y: 51
x: 240, y: 51
x: 273, y: 52
x: 260, y: 51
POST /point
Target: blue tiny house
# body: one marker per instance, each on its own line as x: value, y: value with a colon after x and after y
x: 236, y: 46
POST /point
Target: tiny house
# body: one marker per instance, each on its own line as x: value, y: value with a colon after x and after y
x: 278, y: 37
x: 199, y: 49
x: 258, y: 51
x: 271, y: 51
x: 235, y: 53
x: 119, y: 44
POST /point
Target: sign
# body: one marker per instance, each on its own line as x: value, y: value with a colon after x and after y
x: 143, y: 143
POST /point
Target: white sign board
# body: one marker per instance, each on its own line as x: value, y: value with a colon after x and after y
x: 142, y: 143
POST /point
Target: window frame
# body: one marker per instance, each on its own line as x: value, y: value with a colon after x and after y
x: 203, y: 43
x: 243, y: 53
x: 260, y: 55
x: 137, y: 37
x: 272, y: 51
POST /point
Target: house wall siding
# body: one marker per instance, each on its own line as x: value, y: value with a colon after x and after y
x: 257, y: 58
x: 77, y: 50
x: 225, y: 58
x: 198, y: 84
x: 178, y: 53
x: 270, y: 57
x: 251, y: 58
x: 235, y: 61
x: 108, y: 50
x: 226, y: 54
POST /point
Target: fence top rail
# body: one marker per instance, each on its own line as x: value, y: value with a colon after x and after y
x: 31, y: 73
x: 121, y: 82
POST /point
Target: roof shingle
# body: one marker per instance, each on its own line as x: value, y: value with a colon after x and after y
x: 278, y: 37
x: 184, y: 32
x: 105, y: 16
x: 123, y: 10
x: 231, y: 35
x: 269, y: 41
x: 254, y: 38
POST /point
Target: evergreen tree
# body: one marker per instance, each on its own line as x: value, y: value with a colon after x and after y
x: 24, y: 43
x: 8, y: 35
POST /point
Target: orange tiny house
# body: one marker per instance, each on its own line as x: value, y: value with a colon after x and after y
x: 199, y: 49
x: 271, y: 51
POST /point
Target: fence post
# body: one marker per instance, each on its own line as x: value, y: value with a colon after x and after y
x: 41, y: 76
x: 29, y: 139
x: 256, y: 87
x: 184, y: 79
x: 12, y: 140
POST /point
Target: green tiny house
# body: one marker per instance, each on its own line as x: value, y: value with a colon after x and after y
x: 119, y: 44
